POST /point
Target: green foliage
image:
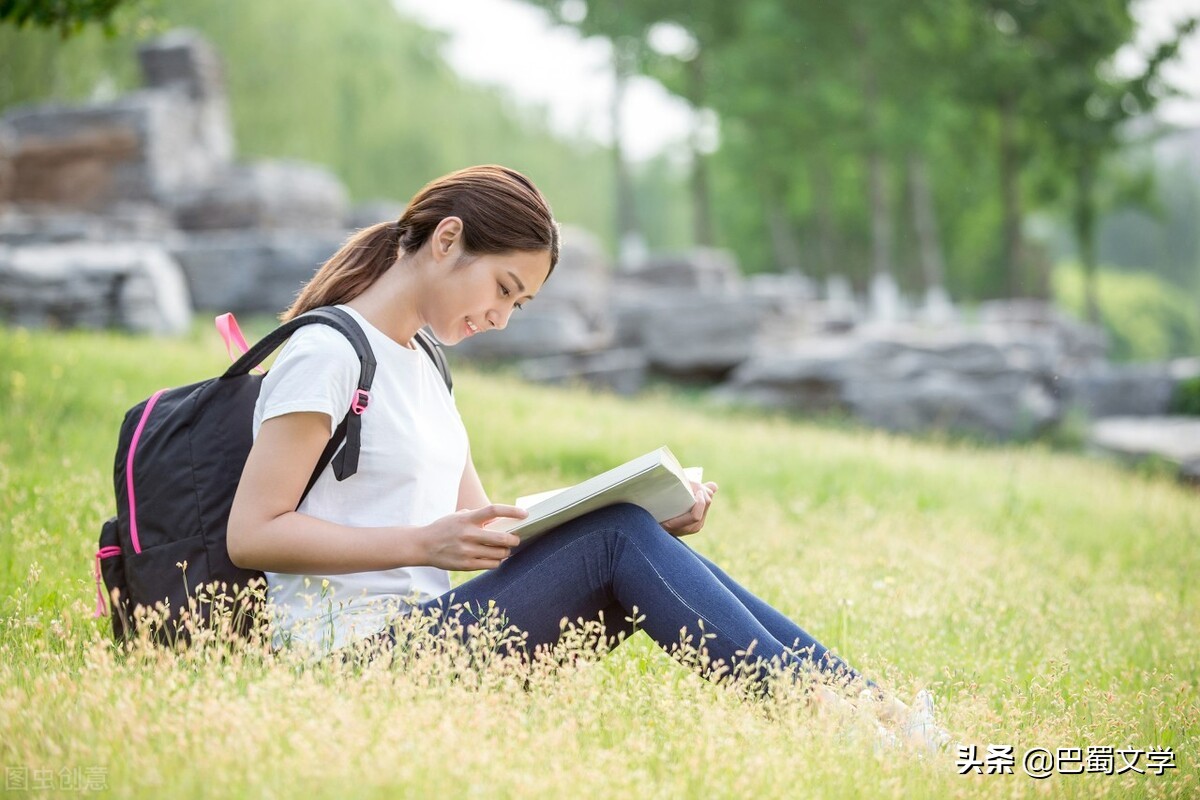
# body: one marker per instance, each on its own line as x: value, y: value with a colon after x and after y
x: 1186, y: 399
x: 65, y: 16
x: 1147, y: 318
x: 1009, y: 103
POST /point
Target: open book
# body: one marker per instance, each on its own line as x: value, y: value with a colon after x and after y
x: 655, y: 481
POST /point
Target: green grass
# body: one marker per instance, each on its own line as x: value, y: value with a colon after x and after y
x: 1048, y: 599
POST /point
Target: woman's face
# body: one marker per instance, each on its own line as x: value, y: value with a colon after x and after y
x: 480, y: 295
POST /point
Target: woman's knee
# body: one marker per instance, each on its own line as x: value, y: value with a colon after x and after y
x: 609, y: 525
x: 628, y: 519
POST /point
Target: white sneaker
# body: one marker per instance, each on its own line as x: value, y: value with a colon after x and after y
x: 921, y: 728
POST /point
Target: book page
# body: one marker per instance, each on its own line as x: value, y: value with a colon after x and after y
x: 694, y: 474
x: 655, y: 481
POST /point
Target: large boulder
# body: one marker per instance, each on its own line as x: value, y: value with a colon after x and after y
x: 582, y: 280
x: 184, y: 63
x: 1000, y: 405
x: 121, y: 222
x: 134, y: 286
x: 622, y: 371
x: 703, y: 269
x: 1116, y: 390
x: 1074, y: 345
x: 911, y: 383
x: 698, y: 336
x: 812, y: 376
x: 252, y: 271
x: 1170, y: 438
x: 138, y: 148
x: 267, y: 195
x: 144, y: 147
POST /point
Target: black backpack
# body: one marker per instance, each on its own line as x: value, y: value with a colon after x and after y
x: 179, y: 458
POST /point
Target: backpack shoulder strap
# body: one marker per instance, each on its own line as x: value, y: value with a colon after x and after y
x: 434, y: 350
x: 345, y: 460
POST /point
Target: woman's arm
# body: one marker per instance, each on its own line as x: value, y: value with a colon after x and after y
x: 266, y: 532
x: 471, y: 493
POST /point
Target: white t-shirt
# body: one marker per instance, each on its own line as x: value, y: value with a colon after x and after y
x: 414, y: 450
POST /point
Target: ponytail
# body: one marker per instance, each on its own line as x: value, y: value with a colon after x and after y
x: 359, y: 262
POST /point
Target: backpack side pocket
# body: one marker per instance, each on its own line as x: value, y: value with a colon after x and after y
x: 110, y: 567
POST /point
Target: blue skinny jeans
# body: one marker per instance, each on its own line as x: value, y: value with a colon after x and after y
x: 618, y: 558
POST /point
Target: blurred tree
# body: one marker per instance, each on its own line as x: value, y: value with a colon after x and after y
x: 1163, y: 235
x: 786, y: 102
x: 1086, y: 110
x: 687, y: 71
x: 624, y: 24
x: 65, y: 16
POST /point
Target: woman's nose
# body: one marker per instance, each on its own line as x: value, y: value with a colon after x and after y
x: 499, y: 319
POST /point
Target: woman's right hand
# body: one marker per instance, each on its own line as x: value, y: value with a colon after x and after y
x: 460, y: 541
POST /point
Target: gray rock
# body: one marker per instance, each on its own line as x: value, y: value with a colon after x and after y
x: 702, y: 336
x: 143, y: 147
x: 1174, y: 439
x: 791, y: 302
x: 269, y: 195
x: 135, y: 286
x: 622, y: 371
x: 903, y: 384
x: 1184, y: 369
x: 1075, y: 344
x: 632, y: 304
x: 905, y: 357
x: 252, y: 271
x: 121, y: 222
x: 1001, y: 406
x: 183, y: 60
x: 702, y: 268
x: 812, y: 377
x: 1111, y: 390
x: 782, y: 290
x: 582, y: 280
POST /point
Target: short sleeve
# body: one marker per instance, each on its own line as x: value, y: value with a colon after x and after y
x: 317, y: 371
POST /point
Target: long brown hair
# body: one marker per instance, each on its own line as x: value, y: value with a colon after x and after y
x: 502, y: 212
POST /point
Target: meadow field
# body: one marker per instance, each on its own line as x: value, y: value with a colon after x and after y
x: 1049, y: 600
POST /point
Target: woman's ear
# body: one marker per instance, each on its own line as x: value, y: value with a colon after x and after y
x: 446, y: 241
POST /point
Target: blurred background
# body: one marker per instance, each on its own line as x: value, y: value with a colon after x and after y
x: 786, y: 202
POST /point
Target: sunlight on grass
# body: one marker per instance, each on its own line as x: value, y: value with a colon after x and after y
x: 1049, y: 600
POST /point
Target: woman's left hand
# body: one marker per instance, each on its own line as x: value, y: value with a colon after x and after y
x: 692, y: 521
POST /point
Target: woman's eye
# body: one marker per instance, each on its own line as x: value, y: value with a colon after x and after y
x: 504, y: 291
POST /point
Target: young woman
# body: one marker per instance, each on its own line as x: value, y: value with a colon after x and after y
x: 469, y: 251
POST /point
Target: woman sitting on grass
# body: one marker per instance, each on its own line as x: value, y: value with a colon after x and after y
x: 470, y: 249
